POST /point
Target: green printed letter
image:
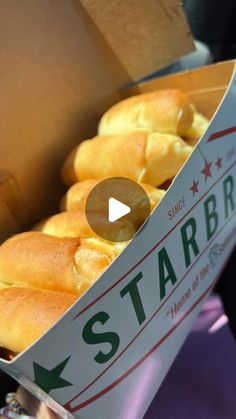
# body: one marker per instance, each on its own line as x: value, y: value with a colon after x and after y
x: 132, y: 289
x: 188, y: 232
x: 94, y: 338
x: 228, y: 188
x: 211, y: 216
x: 166, y: 271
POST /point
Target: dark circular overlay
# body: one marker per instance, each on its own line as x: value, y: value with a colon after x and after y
x: 125, y: 191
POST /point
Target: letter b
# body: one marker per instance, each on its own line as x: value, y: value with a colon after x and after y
x: 211, y: 216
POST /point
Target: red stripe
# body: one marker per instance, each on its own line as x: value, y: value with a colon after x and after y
x: 155, y: 313
x: 150, y: 251
x: 220, y: 134
x: 137, y: 364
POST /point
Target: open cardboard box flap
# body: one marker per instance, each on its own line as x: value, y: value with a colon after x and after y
x: 62, y: 64
x: 205, y: 86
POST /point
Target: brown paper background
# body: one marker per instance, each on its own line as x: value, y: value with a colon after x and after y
x: 58, y: 73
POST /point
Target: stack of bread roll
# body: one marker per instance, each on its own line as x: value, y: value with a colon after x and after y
x: 146, y: 138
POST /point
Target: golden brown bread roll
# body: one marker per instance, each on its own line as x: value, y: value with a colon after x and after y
x: 26, y: 314
x: 197, y: 129
x: 76, y: 196
x: 37, y: 260
x: 75, y: 224
x: 166, y: 111
x: 141, y: 156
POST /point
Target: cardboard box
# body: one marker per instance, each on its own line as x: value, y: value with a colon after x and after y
x: 172, y: 264
x: 63, y: 64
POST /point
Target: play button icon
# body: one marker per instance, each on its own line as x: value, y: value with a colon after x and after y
x: 116, y: 208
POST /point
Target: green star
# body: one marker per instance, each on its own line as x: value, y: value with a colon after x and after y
x: 50, y: 379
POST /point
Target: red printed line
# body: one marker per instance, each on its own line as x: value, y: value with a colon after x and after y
x: 220, y: 134
x: 150, y: 251
x: 154, y: 314
x: 153, y: 349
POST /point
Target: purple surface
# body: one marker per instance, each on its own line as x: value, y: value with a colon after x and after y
x: 202, y: 381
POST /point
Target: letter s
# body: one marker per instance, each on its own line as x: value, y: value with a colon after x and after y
x: 94, y: 338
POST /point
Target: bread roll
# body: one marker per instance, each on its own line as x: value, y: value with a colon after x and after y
x: 26, y: 314
x: 75, y: 224
x: 37, y: 260
x: 76, y: 196
x: 165, y: 111
x: 143, y: 157
x: 197, y: 129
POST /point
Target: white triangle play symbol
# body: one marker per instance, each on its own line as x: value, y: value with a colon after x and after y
x: 116, y: 209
